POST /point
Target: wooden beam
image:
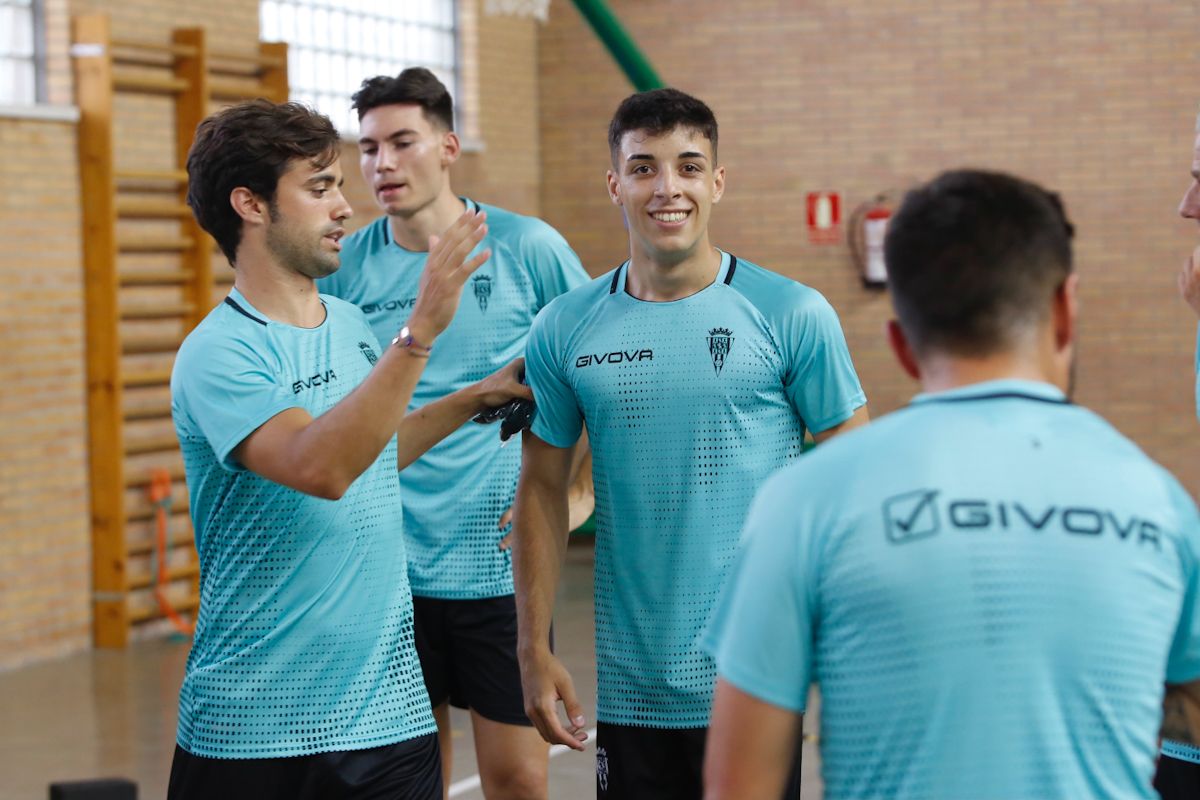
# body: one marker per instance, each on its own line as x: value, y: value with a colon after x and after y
x: 148, y: 84
x: 151, y: 377
x: 190, y: 110
x: 154, y: 244
x: 160, y: 311
x: 94, y: 96
x: 150, y: 208
x: 274, y: 76
x: 154, y: 277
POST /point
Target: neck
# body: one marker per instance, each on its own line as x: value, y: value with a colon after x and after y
x: 941, y: 372
x: 282, y: 294
x: 412, y: 231
x: 662, y: 278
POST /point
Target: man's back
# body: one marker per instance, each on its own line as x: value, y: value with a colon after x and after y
x: 989, y: 597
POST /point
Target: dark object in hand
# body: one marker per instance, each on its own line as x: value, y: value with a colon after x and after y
x: 514, y: 417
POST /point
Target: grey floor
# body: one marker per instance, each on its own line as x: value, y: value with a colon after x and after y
x: 112, y: 713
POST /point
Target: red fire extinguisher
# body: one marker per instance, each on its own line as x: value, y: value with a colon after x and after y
x: 868, y: 226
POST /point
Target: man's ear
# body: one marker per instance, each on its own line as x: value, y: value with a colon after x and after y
x: 1066, y: 312
x: 451, y: 148
x: 249, y: 206
x: 902, y: 349
x: 718, y: 184
x: 614, y: 188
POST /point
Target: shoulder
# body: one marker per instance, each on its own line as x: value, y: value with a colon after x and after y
x: 224, y: 338
x: 520, y: 231
x: 567, y: 313
x: 776, y: 295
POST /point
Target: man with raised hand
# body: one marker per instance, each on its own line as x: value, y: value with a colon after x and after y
x: 457, y: 495
x: 697, y: 373
x: 990, y: 586
x: 303, y: 679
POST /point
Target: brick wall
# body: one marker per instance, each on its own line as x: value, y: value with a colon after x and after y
x: 1096, y: 100
x: 45, y: 564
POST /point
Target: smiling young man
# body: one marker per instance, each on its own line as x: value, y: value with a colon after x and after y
x: 992, y: 585
x: 457, y: 496
x: 303, y: 680
x: 698, y: 374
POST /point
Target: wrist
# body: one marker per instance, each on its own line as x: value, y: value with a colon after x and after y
x: 412, y: 343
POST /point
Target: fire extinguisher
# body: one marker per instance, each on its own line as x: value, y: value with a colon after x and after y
x: 868, y: 226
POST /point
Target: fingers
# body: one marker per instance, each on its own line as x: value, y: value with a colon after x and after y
x: 575, y: 719
x: 450, y: 250
x: 506, y: 542
x: 505, y: 518
x: 542, y: 706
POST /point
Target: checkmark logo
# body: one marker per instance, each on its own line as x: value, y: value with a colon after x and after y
x: 911, y: 516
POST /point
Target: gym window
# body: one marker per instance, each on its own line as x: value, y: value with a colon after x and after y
x: 22, y: 77
x: 334, y: 44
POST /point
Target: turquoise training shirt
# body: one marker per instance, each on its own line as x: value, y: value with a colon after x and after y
x: 304, y: 639
x: 990, y: 587
x: 689, y: 406
x: 455, y: 494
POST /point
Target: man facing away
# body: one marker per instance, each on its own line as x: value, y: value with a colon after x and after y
x: 698, y: 374
x: 993, y: 585
x: 303, y: 680
x: 457, y: 495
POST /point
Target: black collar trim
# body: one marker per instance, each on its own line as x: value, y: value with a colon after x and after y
x: 244, y: 312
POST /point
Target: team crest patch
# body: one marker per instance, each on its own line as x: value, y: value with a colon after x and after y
x: 483, y: 290
x: 719, y: 342
x: 602, y: 768
x: 368, y: 352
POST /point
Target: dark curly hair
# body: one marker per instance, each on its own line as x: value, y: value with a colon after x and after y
x: 414, y: 86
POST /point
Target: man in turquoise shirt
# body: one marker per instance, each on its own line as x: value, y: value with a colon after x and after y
x: 457, y: 495
x: 697, y: 373
x: 991, y: 586
x: 303, y: 681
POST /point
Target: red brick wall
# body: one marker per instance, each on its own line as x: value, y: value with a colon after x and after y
x: 1095, y: 100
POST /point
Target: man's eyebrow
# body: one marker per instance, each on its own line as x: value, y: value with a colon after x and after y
x: 389, y: 137
x: 323, y: 177
x: 693, y: 154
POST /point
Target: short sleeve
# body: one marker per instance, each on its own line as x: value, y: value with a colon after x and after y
x: 223, y: 392
x: 555, y: 267
x: 819, y: 376
x: 1183, y: 664
x: 558, y: 420
x: 761, y: 633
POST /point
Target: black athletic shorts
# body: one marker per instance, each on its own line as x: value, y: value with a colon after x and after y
x: 468, y: 652
x: 635, y: 763
x: 1177, y: 779
x: 411, y: 770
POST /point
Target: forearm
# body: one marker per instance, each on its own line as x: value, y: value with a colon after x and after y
x: 431, y: 423
x: 540, y: 523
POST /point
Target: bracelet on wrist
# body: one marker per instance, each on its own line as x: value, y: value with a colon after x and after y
x: 405, y: 341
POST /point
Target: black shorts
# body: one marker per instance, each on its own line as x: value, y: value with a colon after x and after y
x: 1177, y: 779
x: 411, y: 769
x: 635, y: 763
x: 468, y: 652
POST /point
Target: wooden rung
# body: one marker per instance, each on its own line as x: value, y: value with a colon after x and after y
x: 163, y: 311
x: 177, y: 510
x: 135, y: 479
x: 150, y: 377
x: 139, y: 208
x: 150, y: 344
x: 144, y: 580
x: 156, y: 175
x: 151, y: 84
x: 185, y: 50
x: 147, y: 613
x: 155, y: 277
x: 236, y: 88
x: 151, y: 444
x: 145, y: 548
x: 153, y: 244
x: 157, y: 409
x: 242, y: 58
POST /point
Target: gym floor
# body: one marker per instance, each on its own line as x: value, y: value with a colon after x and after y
x: 107, y: 714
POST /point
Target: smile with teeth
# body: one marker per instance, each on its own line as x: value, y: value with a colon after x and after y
x: 670, y: 216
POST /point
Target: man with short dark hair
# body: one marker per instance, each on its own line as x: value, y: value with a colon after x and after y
x: 303, y: 680
x: 992, y: 585
x: 457, y: 496
x: 698, y: 374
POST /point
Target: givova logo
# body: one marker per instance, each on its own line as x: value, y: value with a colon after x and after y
x: 920, y: 514
x: 615, y: 357
x: 328, y: 376
x: 389, y: 305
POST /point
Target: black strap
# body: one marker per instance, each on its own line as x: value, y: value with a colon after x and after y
x: 616, y: 279
x: 244, y: 312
